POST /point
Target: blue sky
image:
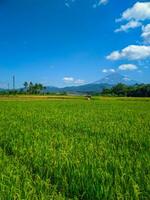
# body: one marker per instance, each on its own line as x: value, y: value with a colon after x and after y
x: 71, y: 42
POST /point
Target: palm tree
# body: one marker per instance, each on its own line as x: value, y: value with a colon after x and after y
x: 31, y: 88
x: 38, y: 87
x: 26, y: 86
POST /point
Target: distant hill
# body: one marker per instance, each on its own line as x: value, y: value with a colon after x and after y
x: 87, y: 88
x: 52, y: 89
x: 78, y: 89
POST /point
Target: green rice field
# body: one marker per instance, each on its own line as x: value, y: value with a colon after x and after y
x: 74, y: 149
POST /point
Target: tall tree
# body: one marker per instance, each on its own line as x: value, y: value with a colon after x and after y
x: 26, y: 86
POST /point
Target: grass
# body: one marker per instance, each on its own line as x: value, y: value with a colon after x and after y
x: 75, y: 149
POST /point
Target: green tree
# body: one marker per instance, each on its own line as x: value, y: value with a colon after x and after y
x: 31, y: 88
x: 26, y: 86
x: 120, y: 90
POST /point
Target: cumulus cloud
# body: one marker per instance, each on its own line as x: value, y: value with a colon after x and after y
x: 128, y: 67
x: 134, y: 15
x: 130, y: 25
x: 139, y: 12
x: 72, y: 80
x: 146, y: 33
x: 108, y: 70
x: 131, y: 52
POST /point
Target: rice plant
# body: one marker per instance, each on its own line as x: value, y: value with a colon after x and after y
x: 75, y: 149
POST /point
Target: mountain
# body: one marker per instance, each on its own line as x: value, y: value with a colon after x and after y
x: 115, y: 78
x: 52, y: 89
x: 78, y: 89
x: 86, y: 88
x: 95, y: 87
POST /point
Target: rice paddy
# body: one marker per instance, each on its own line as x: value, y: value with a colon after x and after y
x: 74, y: 149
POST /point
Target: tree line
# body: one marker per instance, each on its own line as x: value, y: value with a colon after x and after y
x: 138, y: 90
x: 120, y: 90
x: 31, y: 88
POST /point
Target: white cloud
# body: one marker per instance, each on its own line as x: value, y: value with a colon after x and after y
x: 115, y: 55
x: 112, y: 70
x: 128, y: 67
x: 71, y: 80
x: 68, y: 79
x: 130, y: 25
x: 108, y: 70
x: 139, y: 12
x: 131, y: 52
x: 104, y: 70
x: 101, y: 2
x: 97, y: 3
x: 134, y: 15
x: 146, y: 33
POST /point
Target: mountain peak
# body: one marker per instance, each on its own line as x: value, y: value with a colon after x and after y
x: 115, y: 78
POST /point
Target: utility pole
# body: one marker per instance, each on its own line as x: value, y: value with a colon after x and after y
x: 14, y: 83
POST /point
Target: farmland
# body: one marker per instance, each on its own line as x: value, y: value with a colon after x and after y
x: 74, y: 149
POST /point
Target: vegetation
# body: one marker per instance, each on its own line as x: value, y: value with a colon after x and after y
x: 120, y: 90
x: 75, y: 149
x: 31, y: 88
x: 142, y: 90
